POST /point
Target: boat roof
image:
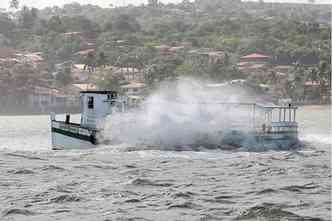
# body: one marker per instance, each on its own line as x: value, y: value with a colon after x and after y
x: 259, y: 105
x: 97, y: 92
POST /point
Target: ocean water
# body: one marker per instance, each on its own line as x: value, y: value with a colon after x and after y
x: 124, y: 183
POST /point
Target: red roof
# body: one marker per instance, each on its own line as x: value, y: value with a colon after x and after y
x: 255, y: 55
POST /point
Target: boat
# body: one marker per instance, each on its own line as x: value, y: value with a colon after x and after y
x: 96, y: 106
x: 270, y: 127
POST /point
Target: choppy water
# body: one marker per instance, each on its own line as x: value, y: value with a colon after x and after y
x: 114, y: 183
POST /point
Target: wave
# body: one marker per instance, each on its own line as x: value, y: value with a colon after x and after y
x: 184, y: 205
x: 52, y: 168
x: 269, y: 211
x: 21, y: 171
x: 245, y: 144
x: 185, y: 195
x: 16, y: 211
x: 65, y: 198
x: 147, y: 182
x: 300, y: 188
x: 266, y: 191
x: 317, y: 138
x: 29, y: 157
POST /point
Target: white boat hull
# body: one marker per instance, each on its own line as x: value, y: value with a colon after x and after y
x: 61, y: 142
x: 73, y: 136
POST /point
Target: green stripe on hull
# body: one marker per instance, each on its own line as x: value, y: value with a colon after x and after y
x: 91, y: 138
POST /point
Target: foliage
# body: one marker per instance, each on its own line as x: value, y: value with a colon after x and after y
x: 63, y: 76
x: 127, y: 37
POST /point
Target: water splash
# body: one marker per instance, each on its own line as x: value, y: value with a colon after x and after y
x: 185, y: 114
x: 317, y: 138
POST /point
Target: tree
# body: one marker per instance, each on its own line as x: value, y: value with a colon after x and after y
x: 162, y: 68
x: 14, y: 4
x: 6, y: 25
x: 55, y: 24
x: 63, y: 76
x: 90, y: 62
x: 108, y: 81
x: 126, y: 24
x: 4, y: 41
x: 324, y: 75
x: 296, y: 82
x: 153, y: 3
x: 80, y: 24
x: 313, y: 75
x: 185, y: 70
x: 67, y: 48
x: 28, y: 17
x: 102, y: 59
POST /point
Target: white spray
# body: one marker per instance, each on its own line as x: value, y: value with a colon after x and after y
x: 183, y: 114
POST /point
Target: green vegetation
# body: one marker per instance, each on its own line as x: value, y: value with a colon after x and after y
x: 297, y: 35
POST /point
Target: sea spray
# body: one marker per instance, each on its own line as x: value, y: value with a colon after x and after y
x: 184, y: 114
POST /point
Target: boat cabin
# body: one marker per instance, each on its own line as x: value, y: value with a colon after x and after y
x: 278, y: 119
x: 96, y: 106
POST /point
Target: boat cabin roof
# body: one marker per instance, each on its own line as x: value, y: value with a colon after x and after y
x: 98, y: 92
x: 277, y: 106
x: 259, y: 105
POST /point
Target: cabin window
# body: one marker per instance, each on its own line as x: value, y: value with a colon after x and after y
x: 90, y: 102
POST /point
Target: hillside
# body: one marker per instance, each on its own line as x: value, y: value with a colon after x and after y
x: 151, y: 43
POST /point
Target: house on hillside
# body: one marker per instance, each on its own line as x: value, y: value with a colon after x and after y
x: 171, y: 50
x: 78, y: 73
x: 8, y: 62
x: 133, y: 88
x: 186, y: 44
x: 176, y: 49
x: 35, y: 59
x: 86, y: 52
x: 254, y: 63
x: 207, y: 55
x: 87, y: 40
x: 129, y: 73
x: 163, y: 49
x: 8, y: 57
x: 85, y: 86
x: 256, y: 58
x: 217, y: 57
